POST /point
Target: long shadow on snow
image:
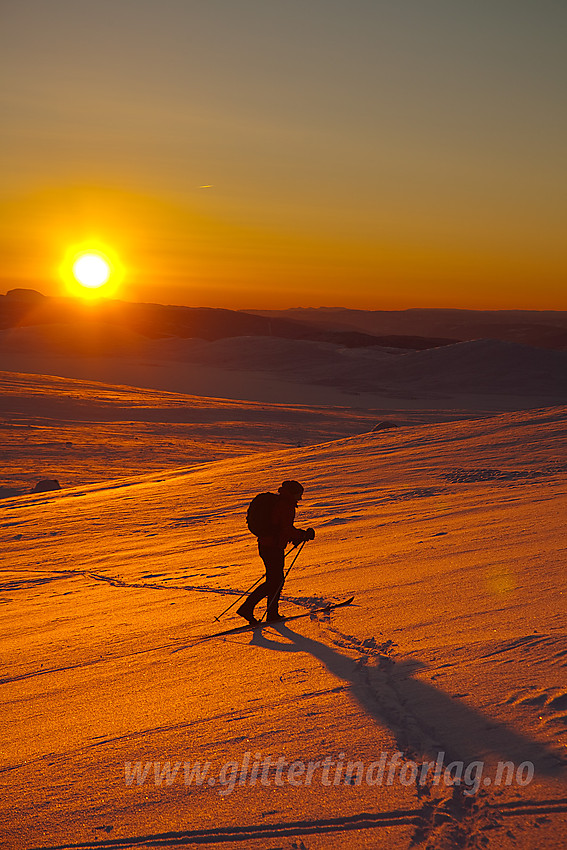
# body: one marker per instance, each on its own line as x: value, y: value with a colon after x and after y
x: 423, y: 719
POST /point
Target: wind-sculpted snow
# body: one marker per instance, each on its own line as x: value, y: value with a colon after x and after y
x: 468, y: 476
x: 453, y: 653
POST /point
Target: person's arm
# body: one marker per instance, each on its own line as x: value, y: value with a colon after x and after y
x: 303, y: 534
x: 286, y: 516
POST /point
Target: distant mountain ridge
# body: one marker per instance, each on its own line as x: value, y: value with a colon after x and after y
x: 237, y: 355
x: 541, y: 328
x: 414, y: 329
x: 24, y: 307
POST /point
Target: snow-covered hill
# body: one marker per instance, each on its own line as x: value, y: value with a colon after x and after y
x: 451, y: 538
x: 83, y: 431
x: 474, y: 375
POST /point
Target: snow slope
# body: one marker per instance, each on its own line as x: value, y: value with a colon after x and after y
x: 475, y: 375
x: 478, y: 366
x: 83, y: 431
x: 451, y: 538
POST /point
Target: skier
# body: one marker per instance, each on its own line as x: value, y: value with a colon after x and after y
x: 276, y: 532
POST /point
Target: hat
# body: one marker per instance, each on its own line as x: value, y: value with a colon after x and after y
x: 292, y: 487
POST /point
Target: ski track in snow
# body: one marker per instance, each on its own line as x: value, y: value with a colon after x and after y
x: 452, y: 823
x: 447, y: 818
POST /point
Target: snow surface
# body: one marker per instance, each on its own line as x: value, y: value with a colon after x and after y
x: 474, y: 376
x: 82, y: 431
x: 450, y: 535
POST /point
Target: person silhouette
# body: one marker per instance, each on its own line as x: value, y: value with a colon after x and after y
x: 278, y: 532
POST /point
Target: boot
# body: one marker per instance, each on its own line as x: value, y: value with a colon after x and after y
x: 247, y: 614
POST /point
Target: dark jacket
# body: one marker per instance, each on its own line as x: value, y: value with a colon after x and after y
x: 283, y: 529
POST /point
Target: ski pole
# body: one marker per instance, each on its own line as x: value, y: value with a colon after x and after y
x: 252, y: 586
x: 294, y: 560
x: 232, y: 604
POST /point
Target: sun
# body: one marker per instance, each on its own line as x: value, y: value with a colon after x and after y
x: 91, y: 271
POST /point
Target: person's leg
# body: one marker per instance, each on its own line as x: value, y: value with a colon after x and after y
x: 273, y: 558
x: 274, y: 561
x: 246, y: 610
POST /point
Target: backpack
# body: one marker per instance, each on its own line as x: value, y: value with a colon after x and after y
x: 259, y: 514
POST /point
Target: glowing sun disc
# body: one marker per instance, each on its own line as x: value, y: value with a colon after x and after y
x: 91, y: 270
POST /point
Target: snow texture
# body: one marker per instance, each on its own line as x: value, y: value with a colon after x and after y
x: 450, y: 535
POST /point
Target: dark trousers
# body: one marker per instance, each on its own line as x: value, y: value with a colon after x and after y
x: 273, y: 558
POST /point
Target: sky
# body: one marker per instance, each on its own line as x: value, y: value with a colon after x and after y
x: 377, y: 154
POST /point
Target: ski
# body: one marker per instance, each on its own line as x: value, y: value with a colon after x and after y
x: 250, y: 628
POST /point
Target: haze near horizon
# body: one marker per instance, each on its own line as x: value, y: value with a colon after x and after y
x: 374, y: 155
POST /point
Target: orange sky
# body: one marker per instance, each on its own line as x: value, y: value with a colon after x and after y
x: 249, y: 155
